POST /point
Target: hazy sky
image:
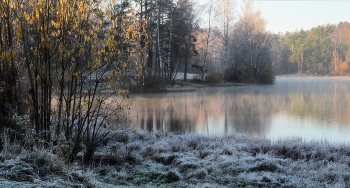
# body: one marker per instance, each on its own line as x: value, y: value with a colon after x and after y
x: 291, y: 15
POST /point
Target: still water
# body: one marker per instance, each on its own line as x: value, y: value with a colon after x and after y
x: 312, y: 108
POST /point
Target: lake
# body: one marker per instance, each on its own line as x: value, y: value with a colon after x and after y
x: 311, y: 108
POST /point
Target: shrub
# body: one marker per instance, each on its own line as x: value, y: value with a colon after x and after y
x: 214, y: 77
x: 266, y: 76
x: 154, y: 82
x: 241, y: 76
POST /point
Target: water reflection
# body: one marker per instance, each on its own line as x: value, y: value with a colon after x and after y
x: 312, y: 108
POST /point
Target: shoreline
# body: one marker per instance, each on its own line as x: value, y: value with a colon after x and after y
x: 182, y: 86
x: 144, y: 159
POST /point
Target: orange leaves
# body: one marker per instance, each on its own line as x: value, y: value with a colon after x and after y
x: 130, y: 28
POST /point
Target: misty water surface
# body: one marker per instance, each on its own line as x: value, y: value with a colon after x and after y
x: 309, y: 108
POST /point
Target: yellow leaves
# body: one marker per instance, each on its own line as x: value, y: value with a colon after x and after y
x: 59, y: 10
x: 76, y: 75
x: 56, y: 33
x: 63, y: 2
x: 36, y: 52
x: 87, y: 38
x: 37, y: 15
x: 26, y: 16
x: 8, y: 56
x: 81, y: 7
x: 54, y: 24
x: 75, y: 26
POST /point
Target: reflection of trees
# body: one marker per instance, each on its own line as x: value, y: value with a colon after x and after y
x: 190, y: 112
x: 243, y: 109
x: 249, y: 113
x: 321, y: 107
x: 162, y: 113
x: 316, y: 98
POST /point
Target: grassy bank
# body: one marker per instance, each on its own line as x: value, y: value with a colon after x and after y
x: 191, y: 160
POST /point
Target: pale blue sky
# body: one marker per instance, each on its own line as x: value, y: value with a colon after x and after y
x: 292, y: 15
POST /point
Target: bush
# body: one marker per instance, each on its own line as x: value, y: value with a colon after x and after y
x: 154, y: 82
x: 240, y: 76
x: 214, y: 77
x: 266, y: 76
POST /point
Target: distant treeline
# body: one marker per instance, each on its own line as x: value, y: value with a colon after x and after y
x: 322, y: 50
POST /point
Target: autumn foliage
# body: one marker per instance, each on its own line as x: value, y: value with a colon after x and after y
x: 64, y: 62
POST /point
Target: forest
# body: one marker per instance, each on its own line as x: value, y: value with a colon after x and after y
x: 322, y: 50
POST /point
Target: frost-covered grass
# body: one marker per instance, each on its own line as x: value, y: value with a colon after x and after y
x: 191, y: 160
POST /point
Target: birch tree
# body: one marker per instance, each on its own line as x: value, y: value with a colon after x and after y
x: 226, y: 11
x: 251, y: 47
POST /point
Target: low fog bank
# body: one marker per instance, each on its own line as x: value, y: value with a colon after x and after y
x: 142, y: 159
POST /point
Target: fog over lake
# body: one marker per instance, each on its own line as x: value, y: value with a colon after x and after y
x: 312, y: 108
